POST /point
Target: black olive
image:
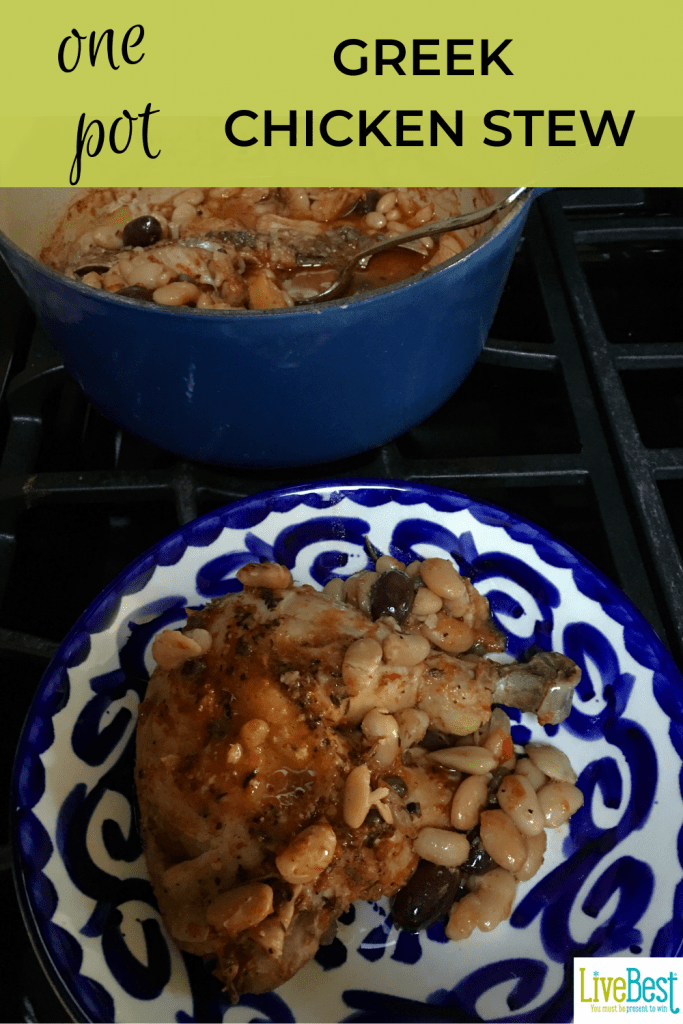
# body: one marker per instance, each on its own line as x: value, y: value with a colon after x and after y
x: 364, y: 204
x: 479, y: 861
x: 142, y: 231
x: 397, y: 784
x: 94, y: 268
x: 497, y: 777
x: 414, y: 808
x: 428, y: 895
x: 373, y: 817
x: 370, y: 550
x: 392, y: 593
x: 435, y: 740
x: 135, y: 291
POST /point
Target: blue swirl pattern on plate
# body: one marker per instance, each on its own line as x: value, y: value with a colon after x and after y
x: 605, y: 888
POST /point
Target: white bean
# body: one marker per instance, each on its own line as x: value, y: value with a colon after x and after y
x: 458, y: 606
x: 386, y: 202
x: 254, y: 732
x: 502, y: 840
x: 270, y: 575
x: 234, y: 753
x: 377, y: 724
x: 334, y: 589
x: 518, y: 798
x: 93, y: 279
x: 357, y: 589
x: 359, y: 797
x: 470, y: 797
x: 496, y: 891
x: 442, y: 578
x: 451, y: 243
x: 224, y: 193
x: 177, y: 293
x: 552, y: 762
x: 558, y: 801
x: 448, y: 634
x: 308, y: 854
x: 412, y: 726
x: 193, y: 196
x: 241, y: 908
x: 381, y: 729
x: 375, y: 221
x: 386, y: 562
x: 407, y: 650
x: 463, y: 919
x: 146, y: 273
x: 270, y: 935
x: 361, y: 661
x: 498, y: 734
x: 201, y: 637
x: 108, y: 236
x: 485, y: 907
x: 499, y: 720
x: 438, y: 845
x: 527, y: 768
x: 265, y: 293
x: 182, y: 212
x: 171, y: 648
x: 471, y: 760
x: 536, y: 846
x: 426, y: 602
x: 422, y: 216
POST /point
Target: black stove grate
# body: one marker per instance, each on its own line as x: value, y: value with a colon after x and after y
x: 573, y: 417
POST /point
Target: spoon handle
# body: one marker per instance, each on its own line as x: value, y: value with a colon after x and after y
x: 462, y: 220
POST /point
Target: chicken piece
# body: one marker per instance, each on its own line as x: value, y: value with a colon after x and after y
x: 545, y: 685
x: 265, y: 809
x: 242, y: 749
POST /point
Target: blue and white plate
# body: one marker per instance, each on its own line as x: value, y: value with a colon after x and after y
x: 612, y: 882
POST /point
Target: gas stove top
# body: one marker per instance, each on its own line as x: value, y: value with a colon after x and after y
x: 573, y: 418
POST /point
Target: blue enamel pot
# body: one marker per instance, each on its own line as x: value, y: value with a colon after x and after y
x: 284, y: 387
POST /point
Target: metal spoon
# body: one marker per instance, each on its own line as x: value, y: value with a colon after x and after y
x: 361, y: 259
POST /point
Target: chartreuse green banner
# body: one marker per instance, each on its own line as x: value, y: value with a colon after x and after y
x: 309, y: 93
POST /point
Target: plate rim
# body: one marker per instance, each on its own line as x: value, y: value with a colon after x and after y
x: 345, y: 488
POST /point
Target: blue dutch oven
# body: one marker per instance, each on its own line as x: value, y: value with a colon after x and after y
x: 265, y: 388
